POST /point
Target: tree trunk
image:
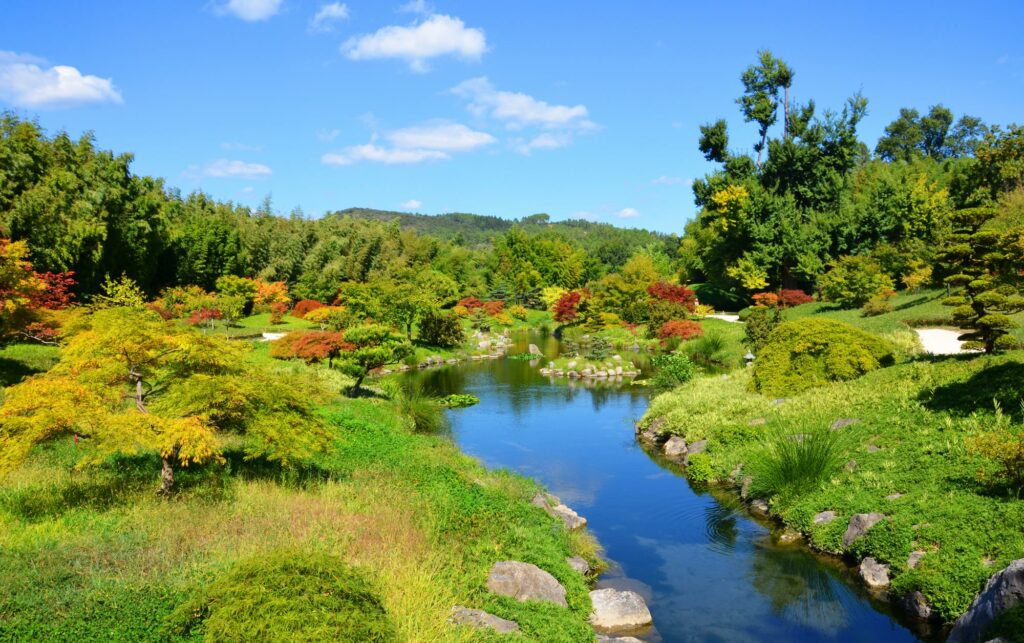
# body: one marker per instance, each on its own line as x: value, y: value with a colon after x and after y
x: 166, y: 477
x: 355, y: 387
x: 785, y: 115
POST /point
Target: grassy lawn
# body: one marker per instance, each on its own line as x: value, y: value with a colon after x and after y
x: 94, y: 554
x: 18, y: 361
x: 915, y: 420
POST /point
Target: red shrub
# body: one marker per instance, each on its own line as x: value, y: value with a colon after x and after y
x: 312, y: 346
x: 681, y: 328
x: 793, y: 297
x: 160, y: 310
x: 204, y: 316
x: 766, y: 299
x: 676, y: 294
x: 57, y: 295
x: 471, y: 303
x: 304, y: 307
x: 494, y: 308
x: 566, y: 309
x: 277, y: 312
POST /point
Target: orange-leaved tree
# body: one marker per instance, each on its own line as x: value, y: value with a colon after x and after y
x: 129, y: 382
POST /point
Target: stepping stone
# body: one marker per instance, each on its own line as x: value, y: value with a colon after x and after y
x: 824, y: 517
x: 616, y: 610
x: 479, y: 619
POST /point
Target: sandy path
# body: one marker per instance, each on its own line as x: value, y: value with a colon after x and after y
x: 940, y: 341
x: 725, y: 317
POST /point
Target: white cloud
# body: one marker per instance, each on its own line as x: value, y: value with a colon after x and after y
x: 671, y: 180
x: 328, y: 14
x: 628, y: 213
x: 438, y: 35
x: 517, y: 109
x: 376, y: 154
x: 240, y: 147
x: 227, y: 169
x: 544, y: 141
x: 28, y: 81
x: 452, y: 137
x: 327, y: 135
x: 250, y: 10
x: 417, y: 6
x: 412, y: 204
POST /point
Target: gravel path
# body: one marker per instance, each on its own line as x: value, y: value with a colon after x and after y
x: 726, y: 317
x: 940, y: 341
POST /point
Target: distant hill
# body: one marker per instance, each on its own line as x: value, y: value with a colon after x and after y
x: 477, y: 230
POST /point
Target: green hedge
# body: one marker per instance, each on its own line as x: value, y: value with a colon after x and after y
x: 807, y: 353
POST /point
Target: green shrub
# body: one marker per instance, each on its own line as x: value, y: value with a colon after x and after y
x: 853, y: 281
x: 759, y: 324
x: 877, y: 305
x: 790, y: 464
x: 286, y: 596
x: 1008, y: 626
x: 441, y: 329
x: 672, y: 369
x: 812, y: 352
x: 710, y: 352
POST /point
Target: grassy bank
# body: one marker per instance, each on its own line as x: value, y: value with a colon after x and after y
x: 906, y: 456
x: 94, y: 554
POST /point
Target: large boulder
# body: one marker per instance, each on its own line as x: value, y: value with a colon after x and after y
x: 675, y: 449
x: 874, y: 573
x: 651, y: 434
x: 917, y: 605
x: 859, y: 525
x: 1003, y: 591
x: 616, y: 610
x: 534, y: 350
x: 525, y: 582
x: 480, y: 619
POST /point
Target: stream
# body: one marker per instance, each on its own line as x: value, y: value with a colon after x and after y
x: 708, y: 571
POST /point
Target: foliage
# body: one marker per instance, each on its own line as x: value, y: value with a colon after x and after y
x: 373, y: 346
x: 518, y: 312
x: 122, y: 292
x: 807, y: 353
x: 1002, y: 444
x: 330, y: 317
x: 290, y: 594
x: 1007, y: 626
x: 240, y: 287
x: 710, y: 352
x: 304, y: 307
x: 672, y: 369
x: 205, y: 317
x: 674, y: 293
x: 424, y: 414
x: 853, y: 281
x: 877, y: 305
x: 681, y: 329
x: 270, y: 294
x: 566, y: 309
x: 789, y: 297
x: 20, y: 287
x: 493, y: 308
x: 790, y: 464
x: 458, y: 400
x: 758, y: 326
x: 310, y: 346
x: 441, y: 328
x: 597, y: 348
x: 277, y: 312
x: 185, y: 390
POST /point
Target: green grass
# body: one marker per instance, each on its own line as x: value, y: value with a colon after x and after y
x: 18, y: 361
x: 94, y: 554
x: 914, y: 422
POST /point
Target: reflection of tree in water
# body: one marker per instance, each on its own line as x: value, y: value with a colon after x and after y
x: 798, y: 588
x: 720, y: 524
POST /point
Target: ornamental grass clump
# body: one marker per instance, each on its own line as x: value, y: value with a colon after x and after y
x: 811, y: 352
x: 789, y: 464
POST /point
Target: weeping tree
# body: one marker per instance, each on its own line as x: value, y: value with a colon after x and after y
x: 130, y: 383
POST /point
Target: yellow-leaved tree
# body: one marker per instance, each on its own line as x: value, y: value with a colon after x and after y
x: 129, y: 382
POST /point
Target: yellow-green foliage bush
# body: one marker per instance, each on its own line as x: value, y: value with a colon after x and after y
x: 286, y: 596
x: 806, y: 353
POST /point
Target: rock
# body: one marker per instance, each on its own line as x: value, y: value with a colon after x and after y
x: 484, y: 345
x: 745, y: 487
x: 675, y: 449
x: 859, y: 525
x: 842, y: 423
x: 617, y: 639
x: 525, y: 582
x: 534, y: 350
x: 824, y: 517
x: 789, y: 536
x: 616, y: 610
x: 917, y: 605
x: 618, y: 370
x: 1003, y: 591
x: 578, y: 564
x: 573, y: 374
x: 452, y: 361
x: 735, y: 473
x: 779, y: 400
x: 874, y: 573
x: 894, y: 496
x: 617, y: 358
x: 480, y: 619
x: 914, y: 558
x: 759, y: 506
x: 571, y: 365
x: 758, y: 422
x: 850, y: 466
x: 873, y: 449
x: 698, y: 447
x: 554, y: 508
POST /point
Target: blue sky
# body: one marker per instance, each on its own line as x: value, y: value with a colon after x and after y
x: 578, y: 109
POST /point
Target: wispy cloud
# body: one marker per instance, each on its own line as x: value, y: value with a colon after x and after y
x: 249, y: 10
x: 628, y: 213
x: 416, y: 44
x: 412, y: 204
x: 29, y: 81
x: 377, y: 154
x: 327, y: 135
x: 228, y: 169
x: 671, y: 180
x: 417, y: 6
x: 450, y: 137
x: 325, y: 18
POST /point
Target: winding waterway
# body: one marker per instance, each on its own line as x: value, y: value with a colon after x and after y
x: 709, y: 572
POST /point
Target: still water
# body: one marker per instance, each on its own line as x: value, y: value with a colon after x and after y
x: 708, y: 572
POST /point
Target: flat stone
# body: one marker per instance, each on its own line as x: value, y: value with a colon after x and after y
x: 759, y: 506
x: 554, y: 508
x: 789, y: 536
x: 917, y: 605
x: 894, y: 496
x: 697, y: 447
x: 617, y: 639
x: 779, y: 400
x: 874, y: 573
x: 758, y: 422
x: 859, y: 525
x: 525, y: 582
x: 824, y: 517
x: 1003, y: 591
x: 578, y: 564
x: 914, y: 559
x: 850, y: 466
x: 871, y: 448
x: 675, y: 449
x: 480, y: 620
x: 616, y: 610
x: 842, y: 423
x: 534, y: 350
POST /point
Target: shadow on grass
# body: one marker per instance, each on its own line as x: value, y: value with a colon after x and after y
x: 917, y: 301
x: 1002, y: 383
x: 13, y: 371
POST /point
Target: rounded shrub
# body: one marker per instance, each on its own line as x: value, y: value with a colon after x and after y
x: 806, y: 353
x: 286, y: 595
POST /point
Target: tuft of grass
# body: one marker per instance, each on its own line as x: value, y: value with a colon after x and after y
x: 423, y: 413
x: 789, y: 464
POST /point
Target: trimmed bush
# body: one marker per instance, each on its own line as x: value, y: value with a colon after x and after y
x: 439, y: 328
x: 812, y: 352
x: 286, y: 596
x: 683, y: 329
x: 304, y: 307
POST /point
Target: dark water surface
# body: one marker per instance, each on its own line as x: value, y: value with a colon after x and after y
x: 708, y: 571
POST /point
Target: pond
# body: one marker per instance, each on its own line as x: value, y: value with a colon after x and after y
x: 708, y: 571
